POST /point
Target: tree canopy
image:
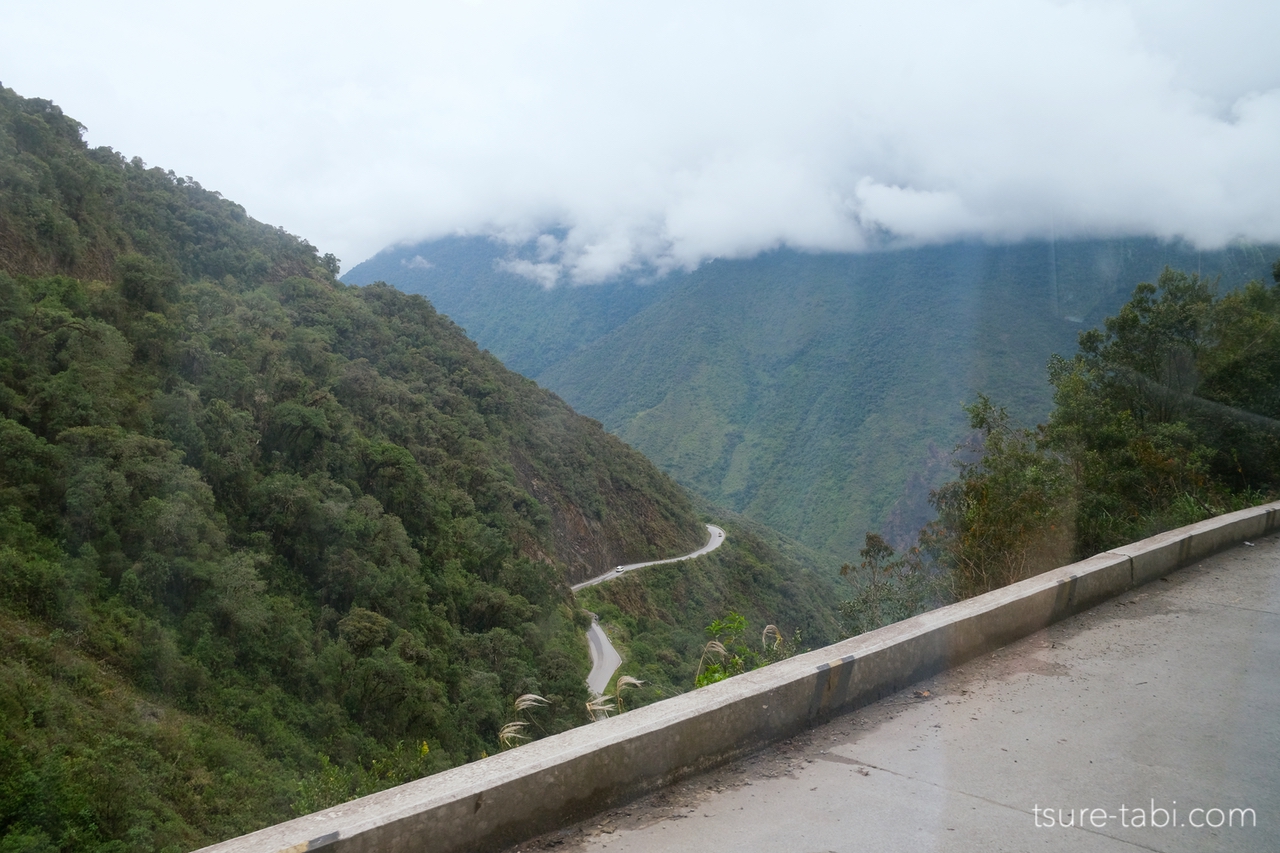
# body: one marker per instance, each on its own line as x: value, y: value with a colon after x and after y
x: 267, y: 542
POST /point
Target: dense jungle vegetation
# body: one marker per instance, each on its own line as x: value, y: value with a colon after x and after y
x: 267, y: 541
x: 1167, y: 414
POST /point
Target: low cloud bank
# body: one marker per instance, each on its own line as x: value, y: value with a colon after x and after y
x: 658, y: 136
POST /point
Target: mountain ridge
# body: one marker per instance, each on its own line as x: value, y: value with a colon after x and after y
x: 269, y: 542
x: 807, y: 391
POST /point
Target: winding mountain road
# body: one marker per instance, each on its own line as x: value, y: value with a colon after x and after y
x: 605, y: 659
x: 715, y: 538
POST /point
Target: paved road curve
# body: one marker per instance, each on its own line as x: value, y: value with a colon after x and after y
x: 605, y: 659
x: 715, y: 540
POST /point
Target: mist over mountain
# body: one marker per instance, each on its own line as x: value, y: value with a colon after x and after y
x: 671, y: 133
x: 818, y: 393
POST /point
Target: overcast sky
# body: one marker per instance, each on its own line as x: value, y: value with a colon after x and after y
x: 664, y: 134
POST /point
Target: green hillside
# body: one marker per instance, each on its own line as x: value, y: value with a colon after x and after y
x: 819, y: 394
x: 267, y: 541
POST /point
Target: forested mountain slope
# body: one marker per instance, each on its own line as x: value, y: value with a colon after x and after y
x: 267, y: 541
x: 819, y: 394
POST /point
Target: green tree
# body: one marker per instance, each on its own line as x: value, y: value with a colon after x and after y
x: 1010, y: 515
x: 1167, y: 414
x: 890, y: 588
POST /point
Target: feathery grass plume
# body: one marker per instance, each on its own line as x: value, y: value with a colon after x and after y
x: 768, y: 631
x: 511, y: 733
x: 599, y: 707
x: 530, y: 700
x: 623, y: 681
x: 714, y: 647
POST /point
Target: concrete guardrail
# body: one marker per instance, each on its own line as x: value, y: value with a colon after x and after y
x: 549, y: 783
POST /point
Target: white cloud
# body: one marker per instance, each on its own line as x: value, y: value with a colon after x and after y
x: 546, y: 274
x: 659, y: 135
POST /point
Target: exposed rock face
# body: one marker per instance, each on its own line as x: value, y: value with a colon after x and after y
x: 634, y: 526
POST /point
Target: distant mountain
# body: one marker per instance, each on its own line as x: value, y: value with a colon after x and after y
x: 811, y: 392
x: 528, y: 327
